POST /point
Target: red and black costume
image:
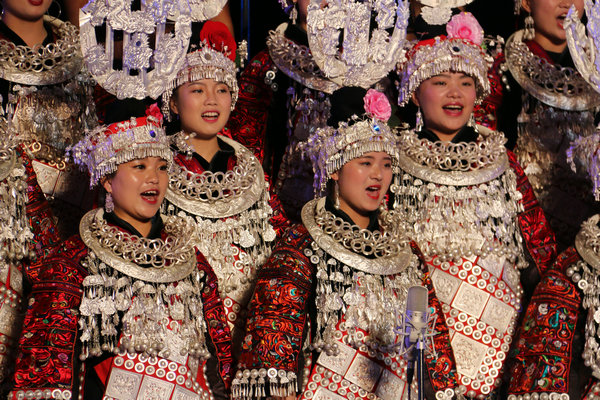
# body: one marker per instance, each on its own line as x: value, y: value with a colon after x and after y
x: 237, y: 219
x: 63, y: 354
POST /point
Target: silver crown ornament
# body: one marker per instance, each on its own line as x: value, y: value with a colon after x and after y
x: 151, y: 54
x: 364, y: 55
x: 583, y: 48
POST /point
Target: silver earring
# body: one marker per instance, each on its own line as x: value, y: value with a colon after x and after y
x: 336, y: 196
x: 529, y: 33
x: 294, y: 13
x: 472, y: 123
x: 419, y: 120
x: 109, y: 206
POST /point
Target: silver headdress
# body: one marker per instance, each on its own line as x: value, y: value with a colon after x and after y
x: 211, y: 61
x: 584, y: 49
x: 330, y: 148
x: 146, y: 71
x: 460, y: 51
x: 363, y: 57
x: 439, y: 12
x: 102, y: 150
x: 203, y: 10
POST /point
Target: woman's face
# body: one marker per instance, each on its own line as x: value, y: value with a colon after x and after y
x: 26, y: 10
x: 138, y: 189
x: 447, y: 101
x: 363, y: 183
x: 548, y: 17
x: 203, y: 107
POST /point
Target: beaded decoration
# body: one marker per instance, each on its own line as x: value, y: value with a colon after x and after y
x: 458, y: 52
x: 368, y: 50
x: 101, y: 151
x: 329, y: 149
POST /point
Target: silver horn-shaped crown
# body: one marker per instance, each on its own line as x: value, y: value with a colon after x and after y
x: 347, y: 48
x: 203, y: 10
x: 147, y: 68
x: 583, y: 48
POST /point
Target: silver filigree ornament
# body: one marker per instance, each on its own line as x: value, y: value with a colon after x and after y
x: 459, y: 199
x: 365, y: 55
x: 583, y: 46
x: 362, y: 276
x: 585, y: 275
x: 143, y: 285
x: 203, y: 10
x: 296, y: 61
x: 438, y: 12
x: 146, y: 72
x: 103, y: 149
x: 554, y: 85
x: 586, y: 152
x: 230, y: 209
x: 329, y: 148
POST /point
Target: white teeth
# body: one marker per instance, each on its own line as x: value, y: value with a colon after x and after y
x: 211, y: 115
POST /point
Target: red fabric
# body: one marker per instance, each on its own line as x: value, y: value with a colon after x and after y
x: 248, y: 121
x: 543, y: 358
x: 538, y: 237
x: 47, y: 356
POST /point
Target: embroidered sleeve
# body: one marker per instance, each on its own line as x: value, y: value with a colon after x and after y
x: 216, y: 321
x: 276, y: 321
x: 45, y: 233
x: 486, y: 113
x: 247, y: 123
x: 545, y: 338
x: 539, y: 238
x: 279, y: 219
x: 47, y: 362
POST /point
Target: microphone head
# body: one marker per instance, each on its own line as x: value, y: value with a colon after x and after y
x: 417, y: 299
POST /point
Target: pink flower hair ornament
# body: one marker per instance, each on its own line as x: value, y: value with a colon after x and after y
x: 377, y: 105
x: 465, y: 26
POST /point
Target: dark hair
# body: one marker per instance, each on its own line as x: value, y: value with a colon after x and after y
x: 345, y: 103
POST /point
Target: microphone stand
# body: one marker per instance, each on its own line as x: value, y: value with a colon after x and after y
x: 420, y: 367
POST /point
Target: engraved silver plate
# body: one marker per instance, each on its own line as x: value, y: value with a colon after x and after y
x: 445, y: 285
x: 364, y: 372
x: 46, y: 176
x: 16, y: 280
x: 324, y: 394
x: 184, y: 394
x: 470, y: 300
x: 512, y: 277
x: 498, y: 314
x: 123, y: 385
x: 390, y: 386
x: 154, y: 388
x: 468, y: 354
x: 493, y: 264
x: 340, y: 362
x: 8, y: 319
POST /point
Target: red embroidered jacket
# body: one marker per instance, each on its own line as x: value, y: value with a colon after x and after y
x: 48, y: 358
